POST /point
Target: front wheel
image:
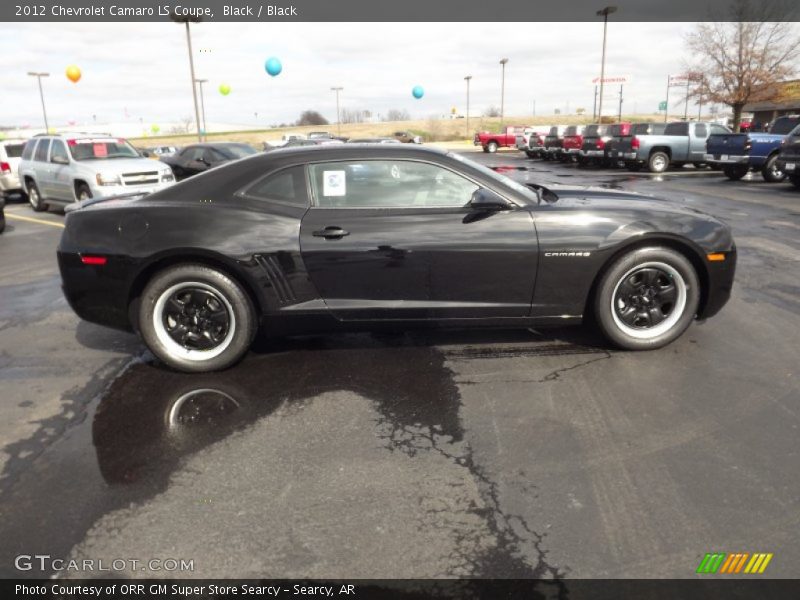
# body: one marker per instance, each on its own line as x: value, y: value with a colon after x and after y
x: 82, y: 192
x: 647, y: 298
x: 35, y: 198
x: 491, y: 147
x: 195, y: 318
x: 771, y: 173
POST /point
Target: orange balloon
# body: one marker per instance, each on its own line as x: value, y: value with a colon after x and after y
x: 73, y: 73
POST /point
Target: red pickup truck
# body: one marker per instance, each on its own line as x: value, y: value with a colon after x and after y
x: 492, y: 141
x: 573, y: 141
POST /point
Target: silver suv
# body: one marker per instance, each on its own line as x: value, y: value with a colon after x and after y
x: 60, y: 169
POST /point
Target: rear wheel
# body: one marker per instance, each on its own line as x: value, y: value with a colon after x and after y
x: 647, y: 298
x: 771, y: 173
x: 658, y: 162
x: 35, y: 199
x: 735, y: 172
x: 195, y: 318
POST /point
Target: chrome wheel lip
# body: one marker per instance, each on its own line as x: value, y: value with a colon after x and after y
x: 173, y: 347
x: 173, y: 415
x: 647, y: 333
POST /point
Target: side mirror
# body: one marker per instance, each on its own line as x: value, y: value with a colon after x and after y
x: 487, y: 200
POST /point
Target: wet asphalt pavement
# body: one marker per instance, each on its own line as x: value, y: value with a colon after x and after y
x: 419, y: 454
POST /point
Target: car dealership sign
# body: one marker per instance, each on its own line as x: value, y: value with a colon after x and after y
x: 621, y: 79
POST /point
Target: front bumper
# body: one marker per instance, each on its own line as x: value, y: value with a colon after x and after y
x: 720, y: 284
x: 788, y: 163
x: 726, y: 159
x: 106, y: 191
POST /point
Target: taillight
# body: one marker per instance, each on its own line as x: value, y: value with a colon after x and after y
x: 635, y: 143
x: 748, y: 143
x: 5, y: 167
x: 93, y: 260
x: 601, y: 143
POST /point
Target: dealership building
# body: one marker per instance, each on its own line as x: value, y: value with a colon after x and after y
x: 788, y: 103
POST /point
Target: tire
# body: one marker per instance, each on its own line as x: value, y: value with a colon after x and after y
x: 626, y: 319
x: 658, y: 162
x: 735, y: 172
x: 82, y: 192
x: 531, y: 154
x: 583, y: 162
x: 181, y: 292
x: 35, y: 198
x: 770, y: 172
x: 795, y: 179
x: 491, y: 147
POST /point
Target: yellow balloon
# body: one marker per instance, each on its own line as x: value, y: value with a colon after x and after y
x: 73, y: 73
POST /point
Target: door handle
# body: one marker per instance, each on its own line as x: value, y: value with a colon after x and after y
x: 331, y: 233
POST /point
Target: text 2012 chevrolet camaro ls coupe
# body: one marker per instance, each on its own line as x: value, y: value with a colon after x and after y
x: 313, y: 239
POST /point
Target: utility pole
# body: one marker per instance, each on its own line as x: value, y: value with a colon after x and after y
x: 594, y: 106
x: 619, y: 119
x: 39, y: 76
x: 200, y: 82
x: 603, y: 13
x: 666, y: 110
x: 338, y: 118
x: 467, y: 79
x: 186, y: 20
x: 503, y: 62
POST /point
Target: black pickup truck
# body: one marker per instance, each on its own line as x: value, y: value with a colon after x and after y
x: 789, y: 158
x: 554, y: 143
x: 593, y: 148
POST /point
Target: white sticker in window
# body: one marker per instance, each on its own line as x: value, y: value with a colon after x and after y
x: 333, y: 183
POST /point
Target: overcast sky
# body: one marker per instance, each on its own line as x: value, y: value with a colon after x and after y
x: 141, y: 69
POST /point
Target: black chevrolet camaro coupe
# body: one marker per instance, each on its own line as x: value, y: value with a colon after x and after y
x: 328, y: 238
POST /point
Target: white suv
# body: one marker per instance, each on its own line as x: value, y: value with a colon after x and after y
x: 10, y: 153
x: 61, y: 169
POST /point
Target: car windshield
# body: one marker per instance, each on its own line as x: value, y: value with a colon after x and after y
x: 102, y: 148
x: 506, y: 181
x: 783, y: 126
x: 236, y: 151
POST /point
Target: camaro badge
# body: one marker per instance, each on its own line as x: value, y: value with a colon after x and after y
x: 576, y: 254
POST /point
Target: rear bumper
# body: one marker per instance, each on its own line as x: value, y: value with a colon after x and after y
x: 720, y: 284
x: 96, y: 293
x: 9, y: 182
x: 593, y: 153
x: 726, y: 159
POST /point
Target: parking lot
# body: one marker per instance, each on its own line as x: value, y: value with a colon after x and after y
x: 499, y: 453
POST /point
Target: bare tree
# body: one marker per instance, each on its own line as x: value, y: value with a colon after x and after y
x: 744, y: 61
x: 492, y: 111
x: 311, y: 117
x: 396, y: 114
x: 352, y: 115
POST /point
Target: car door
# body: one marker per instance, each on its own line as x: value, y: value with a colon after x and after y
x: 396, y: 239
x: 60, y: 181
x: 697, y: 142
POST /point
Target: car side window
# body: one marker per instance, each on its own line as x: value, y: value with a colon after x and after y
x: 211, y: 156
x: 27, y: 153
x: 59, y: 150
x: 388, y: 184
x: 287, y: 186
x: 718, y: 128
x: 41, y: 150
x: 700, y: 130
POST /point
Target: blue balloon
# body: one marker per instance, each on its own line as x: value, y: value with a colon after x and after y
x: 417, y: 92
x: 273, y: 66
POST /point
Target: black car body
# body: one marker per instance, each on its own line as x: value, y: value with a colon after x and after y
x: 554, y: 143
x: 360, y: 236
x: 198, y: 158
x: 789, y: 157
x: 594, y: 143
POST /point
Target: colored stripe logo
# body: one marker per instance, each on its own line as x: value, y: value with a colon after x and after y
x: 736, y: 562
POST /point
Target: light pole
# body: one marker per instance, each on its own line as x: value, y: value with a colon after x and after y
x: 39, y: 76
x: 603, y: 13
x: 193, y: 19
x: 467, y: 79
x: 338, y: 118
x: 200, y: 82
x: 503, y: 62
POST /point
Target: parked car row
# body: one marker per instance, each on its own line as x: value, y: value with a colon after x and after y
x: 658, y: 146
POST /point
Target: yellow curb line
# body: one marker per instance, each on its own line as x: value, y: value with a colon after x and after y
x: 32, y: 220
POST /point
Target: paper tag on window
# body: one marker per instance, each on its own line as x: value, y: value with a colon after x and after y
x: 100, y: 150
x: 333, y: 183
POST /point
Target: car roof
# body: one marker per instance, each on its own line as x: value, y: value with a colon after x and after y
x: 357, y: 150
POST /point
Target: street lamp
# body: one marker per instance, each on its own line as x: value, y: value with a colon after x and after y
x: 467, y: 79
x: 200, y: 82
x: 503, y: 62
x: 603, y: 13
x: 39, y: 76
x: 193, y: 19
x: 338, y: 119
